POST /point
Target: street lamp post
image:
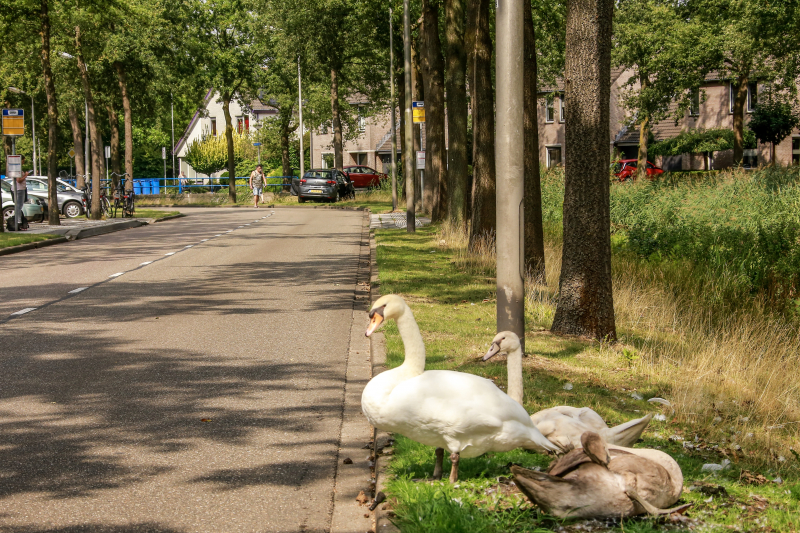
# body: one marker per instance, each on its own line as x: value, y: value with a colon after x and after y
x: 300, y: 103
x: 510, y: 169
x: 33, y: 123
x: 172, y: 116
x: 408, y: 153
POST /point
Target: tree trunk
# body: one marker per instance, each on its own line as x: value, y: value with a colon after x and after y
x: 456, y: 91
x: 226, y: 110
x: 77, y: 142
x: 435, y: 191
x: 585, y: 300
x: 738, y: 118
x: 484, y: 200
x: 94, y: 133
x: 534, y: 234
x: 128, y: 117
x: 644, y: 133
x: 338, y: 155
x: 401, y: 95
x: 286, y: 163
x: 6, y: 152
x: 419, y: 95
x: 52, y: 116
x: 113, y: 122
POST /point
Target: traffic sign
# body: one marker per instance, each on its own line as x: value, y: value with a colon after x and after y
x: 418, y: 111
x: 13, y: 122
x: 421, y: 160
x: 108, y: 152
x: 14, y: 166
x: 256, y: 144
x: 163, y: 153
x: 71, y: 152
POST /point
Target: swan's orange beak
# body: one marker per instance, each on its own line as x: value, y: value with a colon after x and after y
x: 375, y: 320
x: 493, y: 350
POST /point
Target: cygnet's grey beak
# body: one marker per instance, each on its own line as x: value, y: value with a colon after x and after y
x: 375, y: 320
x: 494, y: 349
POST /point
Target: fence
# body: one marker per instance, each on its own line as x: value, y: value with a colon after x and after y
x: 159, y: 185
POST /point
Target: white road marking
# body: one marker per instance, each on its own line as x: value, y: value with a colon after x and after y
x: 240, y: 227
x: 76, y: 291
x: 23, y: 311
x: 145, y: 263
x: 189, y: 246
x: 171, y: 253
x: 204, y: 240
x: 118, y: 274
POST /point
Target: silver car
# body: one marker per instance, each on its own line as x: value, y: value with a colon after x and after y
x: 32, y: 208
x: 70, y: 200
x: 320, y: 184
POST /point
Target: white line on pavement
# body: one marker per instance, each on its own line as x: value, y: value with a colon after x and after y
x: 204, y: 240
x: 171, y: 253
x: 145, y: 263
x: 76, y: 291
x: 218, y: 235
x: 118, y: 274
x: 189, y: 246
x: 23, y: 311
x: 240, y: 227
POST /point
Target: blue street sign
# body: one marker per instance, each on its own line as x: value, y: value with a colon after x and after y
x: 13, y: 112
x: 256, y: 144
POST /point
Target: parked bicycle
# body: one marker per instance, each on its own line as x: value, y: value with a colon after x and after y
x: 123, y: 200
x: 105, y: 204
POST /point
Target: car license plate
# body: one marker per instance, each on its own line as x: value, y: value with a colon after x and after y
x: 315, y: 190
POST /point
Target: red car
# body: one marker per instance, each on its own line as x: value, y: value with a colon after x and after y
x: 626, y: 169
x: 364, y: 177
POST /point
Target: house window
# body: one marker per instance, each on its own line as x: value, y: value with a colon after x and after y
x: 549, y: 111
x: 694, y: 106
x: 562, y: 110
x: 750, y: 158
x: 323, y: 130
x: 752, y: 95
x: 362, y: 122
x: 553, y: 156
x: 360, y: 159
x: 796, y: 150
x: 213, y: 127
x: 243, y: 124
x: 327, y: 160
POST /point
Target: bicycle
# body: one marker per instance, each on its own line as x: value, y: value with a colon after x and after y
x: 105, y: 205
x: 123, y: 200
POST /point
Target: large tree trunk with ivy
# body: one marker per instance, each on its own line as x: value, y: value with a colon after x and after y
x: 401, y: 98
x: 127, y: 116
x: 534, y: 234
x: 226, y: 110
x: 456, y: 90
x: 286, y: 131
x: 484, y: 186
x: 77, y: 146
x: 419, y: 95
x: 738, y: 118
x: 52, y: 115
x: 585, y: 301
x: 435, y: 191
x: 338, y: 155
x: 94, y: 133
x: 644, y: 133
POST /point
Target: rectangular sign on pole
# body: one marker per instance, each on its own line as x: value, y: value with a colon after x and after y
x: 14, y: 166
x: 108, y: 152
x: 420, y: 160
x: 163, y: 153
x: 13, y: 122
x: 418, y: 111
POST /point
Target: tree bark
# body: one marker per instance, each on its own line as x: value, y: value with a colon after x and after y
x: 419, y: 95
x: 534, y: 233
x: 738, y: 118
x: 128, y: 117
x: 286, y: 117
x: 456, y: 90
x: 484, y: 208
x: 585, y: 300
x: 113, y: 122
x: 338, y: 155
x: 52, y: 116
x: 226, y: 110
x: 94, y: 133
x: 644, y: 133
x: 433, y: 78
x: 401, y: 95
x: 77, y: 142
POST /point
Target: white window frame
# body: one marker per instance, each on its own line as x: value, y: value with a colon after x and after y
x: 547, y: 149
x: 695, y: 97
x: 212, y: 126
x: 549, y: 111
x: 562, y: 111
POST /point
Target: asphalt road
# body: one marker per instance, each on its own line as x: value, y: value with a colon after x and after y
x: 200, y: 392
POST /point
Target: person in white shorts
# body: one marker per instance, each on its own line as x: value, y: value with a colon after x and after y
x: 257, y: 184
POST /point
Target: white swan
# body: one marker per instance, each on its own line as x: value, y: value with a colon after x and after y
x: 463, y: 413
x: 563, y: 425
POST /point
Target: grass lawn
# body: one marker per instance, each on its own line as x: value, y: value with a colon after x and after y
x: 14, y: 238
x: 454, y: 305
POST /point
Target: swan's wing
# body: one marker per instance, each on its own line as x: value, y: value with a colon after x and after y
x: 628, y: 433
x: 584, y: 415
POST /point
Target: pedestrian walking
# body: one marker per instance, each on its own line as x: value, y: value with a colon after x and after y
x: 257, y: 184
x: 22, y: 196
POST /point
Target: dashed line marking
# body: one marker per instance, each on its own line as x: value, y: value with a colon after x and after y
x: 23, y: 311
x: 145, y: 263
x: 76, y: 291
x: 218, y: 235
x: 118, y: 274
x: 204, y: 240
x: 189, y: 246
x: 171, y: 253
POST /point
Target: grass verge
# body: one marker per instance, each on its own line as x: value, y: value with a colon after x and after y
x: 14, y: 239
x: 452, y: 294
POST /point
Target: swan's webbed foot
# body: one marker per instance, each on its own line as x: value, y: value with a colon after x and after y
x: 438, y: 466
x: 454, y: 458
x: 652, y: 509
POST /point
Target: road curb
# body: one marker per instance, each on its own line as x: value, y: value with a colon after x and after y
x: 82, y: 233
x: 31, y: 245
x: 162, y: 219
x: 340, y: 208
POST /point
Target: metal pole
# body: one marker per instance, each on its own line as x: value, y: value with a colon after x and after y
x: 172, y: 114
x: 259, y: 155
x: 408, y: 153
x: 33, y: 132
x: 39, y: 153
x: 300, y: 103
x: 509, y: 168
x: 87, y: 173
x: 393, y: 126
x: 14, y: 183
x: 421, y: 173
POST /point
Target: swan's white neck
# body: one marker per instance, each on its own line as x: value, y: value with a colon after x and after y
x: 414, y: 363
x: 514, y: 361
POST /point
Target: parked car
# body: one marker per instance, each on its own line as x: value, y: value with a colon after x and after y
x: 70, y: 199
x: 364, y: 177
x: 625, y: 169
x: 32, y: 209
x: 321, y: 184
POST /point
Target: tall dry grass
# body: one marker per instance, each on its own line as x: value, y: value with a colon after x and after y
x: 731, y: 372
